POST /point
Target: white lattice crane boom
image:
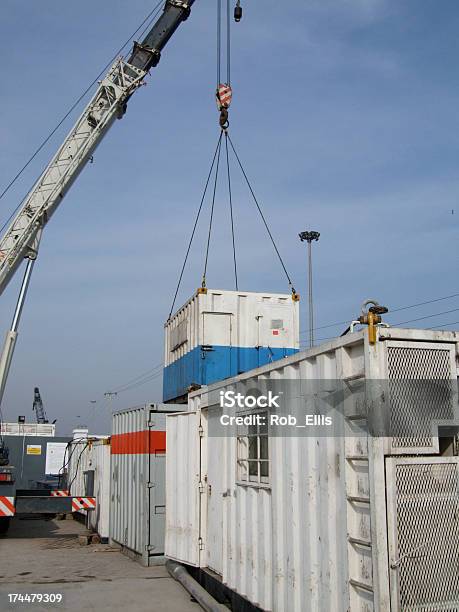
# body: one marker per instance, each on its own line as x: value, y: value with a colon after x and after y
x: 108, y: 103
x: 22, y: 238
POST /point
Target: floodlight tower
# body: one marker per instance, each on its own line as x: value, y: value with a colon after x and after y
x: 309, y: 237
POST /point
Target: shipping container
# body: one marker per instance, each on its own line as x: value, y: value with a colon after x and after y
x: 138, y: 495
x: 89, y: 476
x: 219, y: 334
x: 294, y: 520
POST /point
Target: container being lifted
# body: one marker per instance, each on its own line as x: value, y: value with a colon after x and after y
x: 350, y: 521
x: 218, y: 334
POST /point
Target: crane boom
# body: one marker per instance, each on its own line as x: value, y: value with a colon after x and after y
x: 108, y: 103
x: 38, y: 407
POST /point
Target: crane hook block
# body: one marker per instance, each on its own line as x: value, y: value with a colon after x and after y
x: 224, y: 96
x: 238, y: 12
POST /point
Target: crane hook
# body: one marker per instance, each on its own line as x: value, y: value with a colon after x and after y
x: 224, y: 122
x: 238, y: 12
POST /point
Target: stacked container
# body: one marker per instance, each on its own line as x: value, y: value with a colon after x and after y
x: 218, y: 334
x: 138, y: 464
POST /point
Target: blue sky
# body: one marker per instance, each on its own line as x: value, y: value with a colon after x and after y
x: 345, y: 116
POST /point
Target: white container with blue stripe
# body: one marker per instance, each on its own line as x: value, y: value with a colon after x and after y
x: 219, y: 334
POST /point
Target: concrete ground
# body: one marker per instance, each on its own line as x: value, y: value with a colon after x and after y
x: 38, y: 556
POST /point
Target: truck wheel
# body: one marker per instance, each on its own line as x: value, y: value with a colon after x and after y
x: 4, y: 524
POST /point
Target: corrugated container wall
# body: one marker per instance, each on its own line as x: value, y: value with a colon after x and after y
x: 349, y: 523
x: 219, y: 334
x: 89, y: 475
x: 138, y: 466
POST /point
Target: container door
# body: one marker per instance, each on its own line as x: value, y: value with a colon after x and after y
x: 275, y: 331
x: 216, y: 349
x: 215, y: 473
x: 183, y: 488
x: 276, y: 327
x: 157, y: 494
x: 423, y: 532
x: 156, y: 425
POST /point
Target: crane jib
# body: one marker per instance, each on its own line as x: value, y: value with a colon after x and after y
x: 108, y: 103
x: 146, y: 54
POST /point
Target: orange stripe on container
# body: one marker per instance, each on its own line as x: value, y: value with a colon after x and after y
x: 139, y: 443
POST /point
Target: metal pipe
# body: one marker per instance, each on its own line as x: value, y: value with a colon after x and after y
x: 311, y: 308
x: 352, y: 325
x: 22, y: 295
x: 204, y: 599
x: 10, y: 341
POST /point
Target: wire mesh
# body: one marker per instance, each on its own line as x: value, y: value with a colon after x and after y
x: 427, y: 511
x: 420, y: 393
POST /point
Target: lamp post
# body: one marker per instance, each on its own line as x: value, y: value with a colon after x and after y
x: 309, y: 237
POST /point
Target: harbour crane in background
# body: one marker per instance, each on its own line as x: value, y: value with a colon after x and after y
x: 21, y: 239
x: 38, y: 407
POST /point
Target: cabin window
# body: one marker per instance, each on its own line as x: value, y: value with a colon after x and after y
x: 253, y: 451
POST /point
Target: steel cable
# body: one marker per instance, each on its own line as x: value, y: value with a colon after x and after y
x: 69, y: 455
x: 212, y: 211
x: 425, y: 317
x: 231, y: 209
x: 228, y: 43
x: 136, y: 379
x: 444, y: 325
x: 195, y: 225
x: 141, y: 380
x: 261, y: 214
x: 391, y: 311
x: 219, y: 40
x: 69, y: 486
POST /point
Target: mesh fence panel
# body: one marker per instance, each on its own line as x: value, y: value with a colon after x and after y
x: 427, y: 514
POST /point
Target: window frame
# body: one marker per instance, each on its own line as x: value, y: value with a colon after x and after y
x: 243, y: 459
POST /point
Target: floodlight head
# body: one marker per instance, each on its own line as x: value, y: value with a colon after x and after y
x: 309, y: 236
